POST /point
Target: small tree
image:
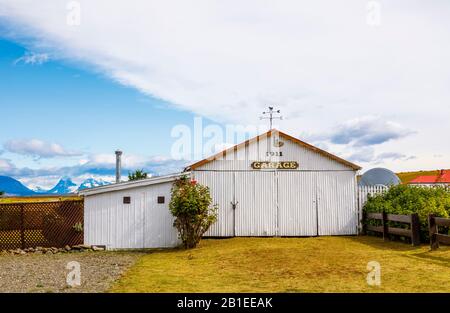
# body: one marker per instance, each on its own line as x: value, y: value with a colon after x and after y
x: 137, y: 175
x: 2, y: 193
x: 191, y: 207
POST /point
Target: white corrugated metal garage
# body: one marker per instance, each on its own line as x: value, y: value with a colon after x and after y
x: 128, y: 215
x: 271, y: 185
x: 317, y: 197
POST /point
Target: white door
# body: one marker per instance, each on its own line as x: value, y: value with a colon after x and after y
x: 337, y: 203
x: 127, y: 229
x: 256, y: 204
x: 297, y: 204
x: 221, y: 188
x: 159, y: 231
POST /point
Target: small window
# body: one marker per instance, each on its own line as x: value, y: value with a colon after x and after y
x: 126, y: 200
x: 161, y: 199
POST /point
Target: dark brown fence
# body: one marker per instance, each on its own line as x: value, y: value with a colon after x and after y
x: 44, y: 224
x: 412, y: 232
x: 433, y: 225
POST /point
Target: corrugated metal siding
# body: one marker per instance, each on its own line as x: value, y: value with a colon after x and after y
x: 337, y: 203
x: 297, y: 211
x: 158, y: 222
x: 96, y: 220
x: 221, y: 186
x: 284, y: 203
x: 126, y: 228
x: 141, y: 224
x: 256, y: 196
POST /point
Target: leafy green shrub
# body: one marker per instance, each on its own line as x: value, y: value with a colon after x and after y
x: 191, y: 207
x: 406, y: 199
x: 78, y: 227
x: 137, y: 175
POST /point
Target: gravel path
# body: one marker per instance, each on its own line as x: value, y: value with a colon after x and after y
x: 47, y: 273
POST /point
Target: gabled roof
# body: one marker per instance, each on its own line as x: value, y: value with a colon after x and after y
x: 268, y: 134
x: 442, y: 177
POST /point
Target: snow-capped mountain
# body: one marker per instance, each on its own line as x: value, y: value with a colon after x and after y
x: 38, y: 189
x: 64, y: 186
x: 91, y: 183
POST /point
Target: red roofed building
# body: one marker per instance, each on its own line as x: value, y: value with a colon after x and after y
x: 443, y: 178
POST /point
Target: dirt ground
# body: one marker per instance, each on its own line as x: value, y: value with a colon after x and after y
x: 47, y: 273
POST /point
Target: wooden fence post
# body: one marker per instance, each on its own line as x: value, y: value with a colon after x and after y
x: 385, y: 226
x: 432, y: 227
x: 415, y: 229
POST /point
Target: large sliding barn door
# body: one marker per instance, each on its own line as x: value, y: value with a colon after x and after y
x: 337, y: 203
x: 297, y: 204
x: 282, y: 203
x: 256, y: 198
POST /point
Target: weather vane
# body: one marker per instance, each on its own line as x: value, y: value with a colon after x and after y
x: 271, y: 116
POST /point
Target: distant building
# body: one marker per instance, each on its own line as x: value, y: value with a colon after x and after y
x: 441, y: 179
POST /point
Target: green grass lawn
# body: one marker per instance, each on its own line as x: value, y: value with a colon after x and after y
x: 38, y: 199
x: 320, y: 264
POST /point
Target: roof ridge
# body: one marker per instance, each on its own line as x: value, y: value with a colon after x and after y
x: 269, y: 133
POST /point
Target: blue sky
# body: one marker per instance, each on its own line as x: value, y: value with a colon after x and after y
x: 81, y: 110
x: 58, y: 102
x: 79, y: 79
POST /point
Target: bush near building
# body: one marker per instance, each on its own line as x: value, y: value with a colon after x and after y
x: 405, y: 199
x: 190, y: 204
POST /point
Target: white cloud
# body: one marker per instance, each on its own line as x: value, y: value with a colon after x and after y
x: 33, y: 58
x: 319, y: 61
x: 220, y: 58
x: 367, y: 155
x: 128, y: 160
x: 40, y: 182
x: 98, y: 166
x: 363, y: 131
x: 368, y: 131
x: 38, y: 148
x: 5, y: 165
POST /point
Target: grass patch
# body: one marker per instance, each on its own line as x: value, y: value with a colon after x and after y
x: 38, y: 199
x: 320, y: 264
x: 406, y: 177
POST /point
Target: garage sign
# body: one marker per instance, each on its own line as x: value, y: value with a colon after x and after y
x: 285, y: 165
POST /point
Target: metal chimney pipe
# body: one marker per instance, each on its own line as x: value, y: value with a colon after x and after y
x: 118, y: 166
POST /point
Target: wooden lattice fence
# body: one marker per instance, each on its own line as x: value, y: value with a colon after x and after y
x: 44, y: 224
